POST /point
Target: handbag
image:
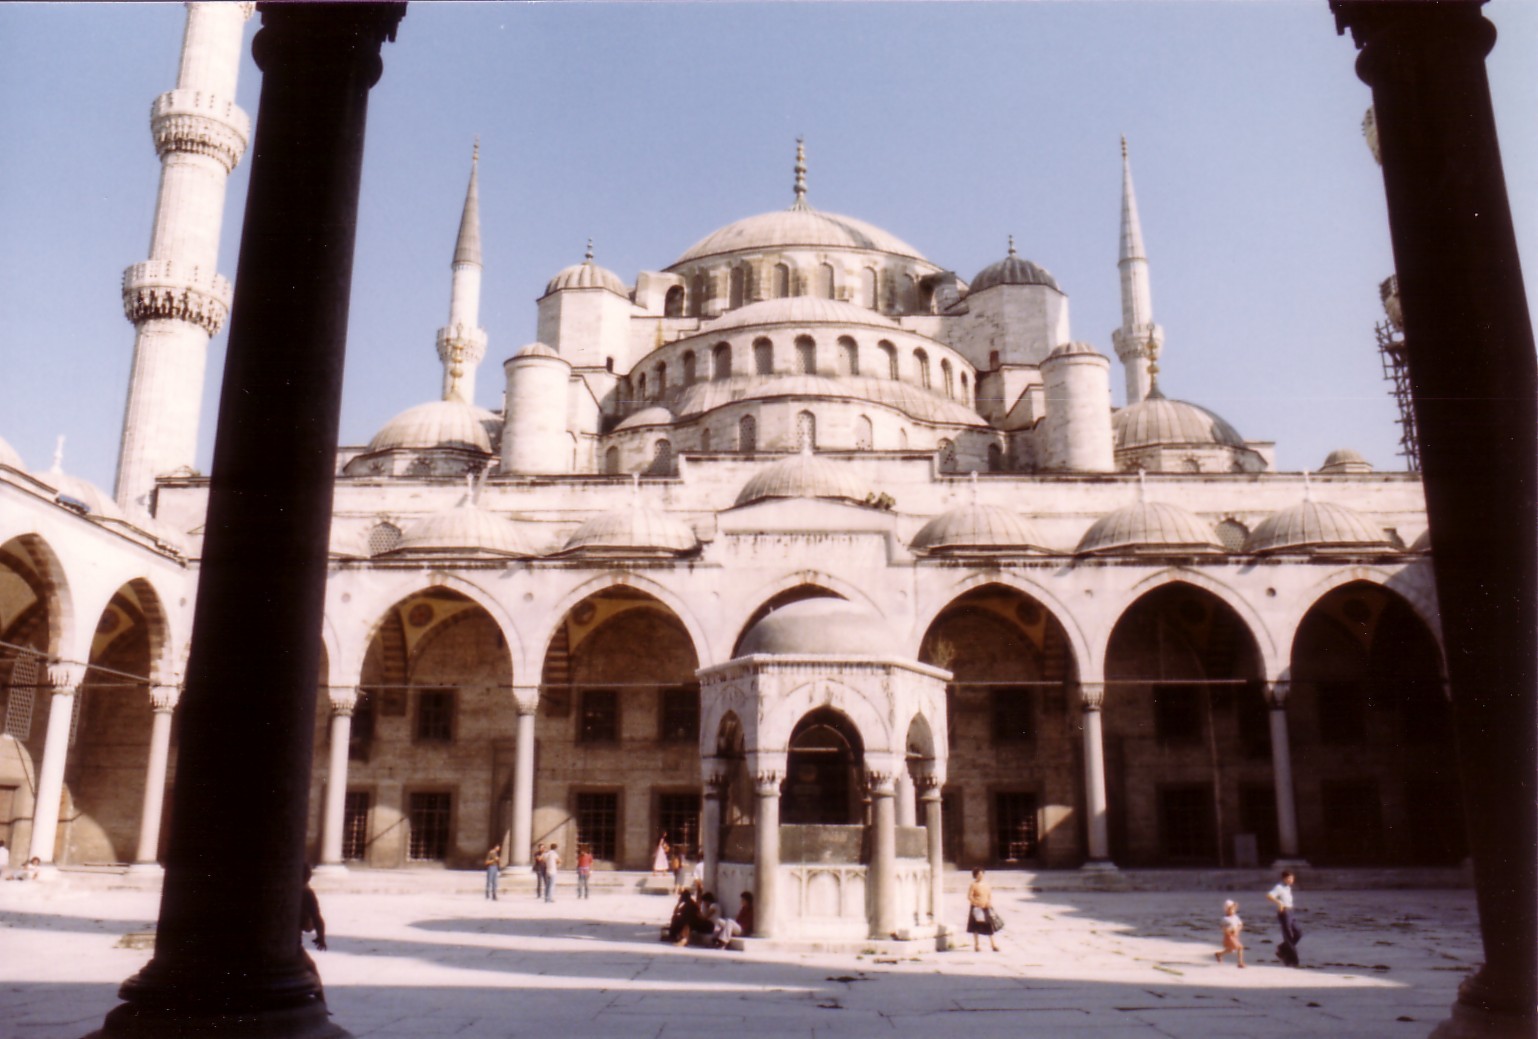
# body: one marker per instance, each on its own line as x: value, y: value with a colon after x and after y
x: 995, y: 921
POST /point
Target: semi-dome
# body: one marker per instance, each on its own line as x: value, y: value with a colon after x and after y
x: 463, y: 529
x: 819, y: 627
x: 536, y: 350
x: 96, y: 501
x: 977, y: 528
x: 587, y: 275
x: 1315, y: 525
x: 1157, y: 421
x: 436, y: 424
x: 656, y: 415
x: 1345, y: 460
x: 632, y: 531
x: 1012, y: 270
x: 804, y: 475
x: 799, y: 310
x: 1149, y: 527
x: 797, y: 227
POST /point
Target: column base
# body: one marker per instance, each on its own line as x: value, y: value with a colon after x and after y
x: 131, y: 1022
x: 1099, y: 866
x: 1469, y: 1022
x: 1285, y: 863
x: 329, y: 869
x: 146, y: 869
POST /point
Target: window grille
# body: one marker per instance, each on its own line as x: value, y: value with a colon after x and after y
x: 680, y: 715
x: 747, y: 435
x: 355, y: 824
x: 679, y: 818
x: 598, y: 718
x: 435, y: 715
x: 1015, y: 837
x: 23, y: 696
x: 429, y: 827
x: 806, y: 431
x: 598, y: 823
x: 385, y: 537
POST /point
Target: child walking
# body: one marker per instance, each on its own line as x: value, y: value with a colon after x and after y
x: 1232, y: 925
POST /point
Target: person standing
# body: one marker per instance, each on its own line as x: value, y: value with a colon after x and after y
x: 660, y: 859
x: 584, y: 869
x: 1292, y: 934
x: 1232, y: 925
x: 980, y: 912
x: 493, y: 870
x: 552, y: 867
x: 539, y: 871
x: 5, y: 861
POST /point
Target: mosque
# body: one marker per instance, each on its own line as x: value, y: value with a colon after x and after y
x: 833, y: 566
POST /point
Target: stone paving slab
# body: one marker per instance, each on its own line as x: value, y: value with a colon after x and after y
x: 1075, y: 964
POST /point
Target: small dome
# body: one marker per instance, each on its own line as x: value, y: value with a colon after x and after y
x: 821, y: 627
x: 1074, y: 350
x: 632, y: 531
x: 536, y: 350
x: 1345, y: 460
x: 1315, y: 525
x: 1149, y: 527
x: 797, y: 227
x: 804, y: 476
x: 96, y: 501
x: 587, y: 275
x: 987, y: 527
x: 9, y: 457
x: 799, y: 310
x: 436, y: 424
x: 656, y: 415
x: 1157, y: 421
x: 464, y: 528
x: 1012, y: 270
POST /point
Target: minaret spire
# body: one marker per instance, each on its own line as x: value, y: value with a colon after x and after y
x: 800, y: 203
x: 1138, y: 332
x: 175, y: 299
x: 462, y: 342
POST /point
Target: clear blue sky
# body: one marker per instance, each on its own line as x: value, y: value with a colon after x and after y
x: 646, y: 126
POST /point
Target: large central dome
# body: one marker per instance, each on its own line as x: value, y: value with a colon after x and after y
x: 799, y: 226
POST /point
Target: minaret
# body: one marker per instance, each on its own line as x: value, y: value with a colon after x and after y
x: 462, y: 342
x: 1138, y: 330
x: 175, y: 299
x: 800, y: 204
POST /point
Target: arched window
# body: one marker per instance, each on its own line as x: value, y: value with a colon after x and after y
x: 863, y: 438
x: 697, y: 296
x: 966, y: 391
x: 1233, y: 534
x: 921, y: 363
x: 910, y: 300
x: 891, y: 358
x: 688, y: 367
x: 662, y: 378
x: 611, y: 461
x: 993, y: 360
x: 806, y: 431
x: 385, y: 537
x: 806, y: 355
x: 642, y: 391
x: 825, y: 281
x: 763, y: 357
x: 737, y: 287
x: 947, y: 378
x: 848, y: 355
x: 1190, y: 465
x: 868, y: 287
x: 721, y: 361
x: 673, y: 302
x: 995, y: 458
x: 747, y: 434
x: 947, y: 456
x: 781, y: 280
x: 705, y: 439
x: 662, y: 459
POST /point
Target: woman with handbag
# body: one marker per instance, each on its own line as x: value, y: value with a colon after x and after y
x: 982, y: 918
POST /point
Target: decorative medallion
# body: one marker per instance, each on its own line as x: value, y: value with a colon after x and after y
x: 420, y: 615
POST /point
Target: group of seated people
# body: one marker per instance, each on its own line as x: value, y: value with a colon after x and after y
x: 697, y: 917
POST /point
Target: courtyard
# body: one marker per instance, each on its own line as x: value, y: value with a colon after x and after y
x: 424, y: 954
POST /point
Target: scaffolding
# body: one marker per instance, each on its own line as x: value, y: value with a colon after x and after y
x: 1396, y: 369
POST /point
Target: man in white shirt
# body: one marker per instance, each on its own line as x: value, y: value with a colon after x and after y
x: 552, y: 864
x: 1281, y: 896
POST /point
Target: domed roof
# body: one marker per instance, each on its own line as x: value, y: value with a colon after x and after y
x: 1012, y: 270
x: 88, y: 494
x: 587, y: 275
x: 1149, y: 527
x: 656, y: 415
x: 925, y: 405
x: 1157, y: 421
x: 799, y: 226
x: 439, y: 423
x: 821, y: 627
x: 632, y: 531
x: 974, y: 526
x: 1315, y: 525
x: 1074, y: 349
x: 799, y: 310
x: 804, y: 475
x: 8, y: 456
x: 536, y: 350
x: 464, y: 528
x: 1345, y: 460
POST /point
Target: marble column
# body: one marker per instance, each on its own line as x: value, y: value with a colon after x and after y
x: 907, y: 801
x: 1091, y: 699
x: 1281, y: 772
x: 883, y: 852
x: 65, y: 681
x: 766, y: 852
x: 162, y: 701
x: 713, y: 773
x: 526, y: 699
x: 343, y: 701
x: 935, y: 833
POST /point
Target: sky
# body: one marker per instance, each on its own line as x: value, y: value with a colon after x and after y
x: 647, y: 126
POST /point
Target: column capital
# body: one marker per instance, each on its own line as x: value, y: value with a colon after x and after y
x: 1276, y: 694
x: 713, y: 773
x: 525, y: 698
x: 65, y: 677
x: 881, y: 783
x: 164, y: 696
x: 1091, y: 695
x: 928, y: 782
x: 344, y: 700
x: 766, y: 783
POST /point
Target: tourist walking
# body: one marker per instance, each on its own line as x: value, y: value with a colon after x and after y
x: 552, y: 867
x: 493, y: 870
x: 539, y: 871
x: 584, y: 869
x: 1292, y: 934
x: 981, y: 916
x: 1232, y: 925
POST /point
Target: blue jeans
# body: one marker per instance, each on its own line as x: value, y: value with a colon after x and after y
x: 549, y: 888
x: 493, y: 874
x: 581, y: 885
x: 539, y: 883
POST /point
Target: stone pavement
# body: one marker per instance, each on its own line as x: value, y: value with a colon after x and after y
x: 445, y: 962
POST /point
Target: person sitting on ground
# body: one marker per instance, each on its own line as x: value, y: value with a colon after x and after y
x: 1232, y: 925
x: 745, y: 919
x: 723, y: 927
x: 687, y: 920
x: 32, y: 870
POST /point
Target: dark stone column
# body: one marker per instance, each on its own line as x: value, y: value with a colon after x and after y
x: 1475, y: 385
x: 227, y: 954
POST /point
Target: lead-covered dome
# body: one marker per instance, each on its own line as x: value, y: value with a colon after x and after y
x: 587, y: 275
x: 466, y: 528
x: 819, y: 627
x: 632, y: 531
x: 656, y: 415
x: 96, y: 501
x: 986, y: 528
x: 799, y: 310
x: 1315, y: 525
x: 436, y: 424
x: 1158, y: 421
x: 1149, y: 527
x: 804, y: 475
x: 1012, y: 270
x: 1345, y: 460
x: 797, y: 227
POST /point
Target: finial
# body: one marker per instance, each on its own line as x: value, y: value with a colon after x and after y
x: 800, y: 202
x: 588, y: 257
x: 1308, y: 488
x: 1124, y: 147
x: 475, y: 151
x: 58, y: 454
x: 1153, y: 362
x: 1142, y: 487
x: 1012, y: 245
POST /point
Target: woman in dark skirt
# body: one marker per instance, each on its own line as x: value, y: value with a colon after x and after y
x: 980, y: 911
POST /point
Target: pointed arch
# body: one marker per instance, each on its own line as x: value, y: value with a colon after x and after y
x: 1272, y: 661
x: 774, y: 592
x: 555, y: 615
x: 1084, y: 662
x: 361, y: 626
